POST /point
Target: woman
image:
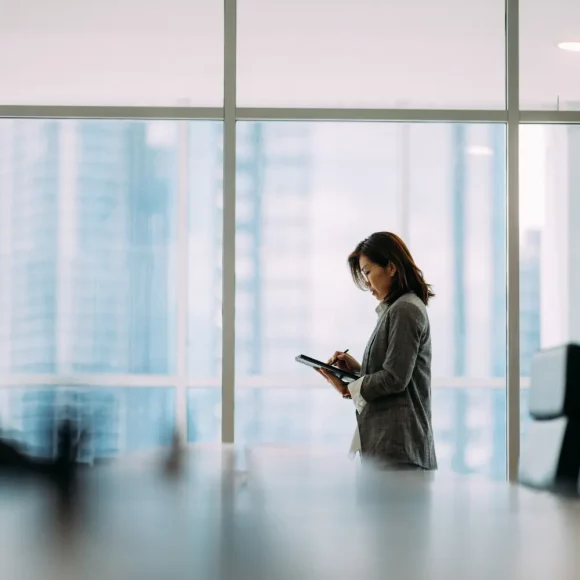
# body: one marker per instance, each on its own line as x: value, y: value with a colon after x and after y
x: 392, y: 397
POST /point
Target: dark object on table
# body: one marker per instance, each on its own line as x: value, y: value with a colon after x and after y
x: 555, y: 383
x: 15, y: 461
x: 174, y: 463
x: 551, y: 455
x: 59, y: 474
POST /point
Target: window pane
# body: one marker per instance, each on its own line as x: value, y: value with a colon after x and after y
x: 442, y: 188
x: 88, y: 253
x: 205, y: 284
x: 114, y: 52
x: 204, y: 414
x: 550, y: 242
x: 363, y: 53
x: 549, y: 75
x: 116, y: 419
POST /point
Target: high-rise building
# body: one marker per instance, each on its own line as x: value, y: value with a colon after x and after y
x: 88, y: 263
x: 86, y: 219
x: 448, y: 213
x: 30, y: 157
x: 123, y: 313
x: 272, y: 282
x: 530, y: 306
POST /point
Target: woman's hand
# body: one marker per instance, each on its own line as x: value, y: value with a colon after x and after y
x: 335, y: 382
x: 345, y: 362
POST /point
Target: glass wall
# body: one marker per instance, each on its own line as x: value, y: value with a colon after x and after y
x: 114, y: 223
x: 90, y: 265
x: 307, y: 193
x: 110, y: 420
x: 88, y: 220
x: 550, y: 241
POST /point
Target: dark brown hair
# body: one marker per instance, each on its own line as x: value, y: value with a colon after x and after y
x: 383, y: 248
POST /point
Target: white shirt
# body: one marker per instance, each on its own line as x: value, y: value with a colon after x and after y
x: 359, y: 403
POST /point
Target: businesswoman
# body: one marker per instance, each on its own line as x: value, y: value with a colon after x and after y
x: 392, y: 397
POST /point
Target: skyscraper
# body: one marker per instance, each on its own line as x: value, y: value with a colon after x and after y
x: 30, y: 181
x: 86, y: 211
x: 272, y: 298
x: 125, y: 206
x: 529, y: 299
x: 91, y: 278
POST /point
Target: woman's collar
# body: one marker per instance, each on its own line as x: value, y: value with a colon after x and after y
x: 381, y: 307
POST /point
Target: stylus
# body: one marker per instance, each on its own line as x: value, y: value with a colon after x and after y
x: 335, y: 358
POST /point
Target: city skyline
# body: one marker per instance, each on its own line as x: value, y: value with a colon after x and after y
x: 121, y: 182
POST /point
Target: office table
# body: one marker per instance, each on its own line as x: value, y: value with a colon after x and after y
x: 266, y: 513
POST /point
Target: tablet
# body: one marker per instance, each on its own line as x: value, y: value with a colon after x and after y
x: 316, y: 364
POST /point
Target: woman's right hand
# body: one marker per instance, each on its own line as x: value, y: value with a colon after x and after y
x: 345, y: 362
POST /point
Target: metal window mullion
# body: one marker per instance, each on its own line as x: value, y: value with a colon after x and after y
x: 513, y: 257
x: 229, y: 223
x: 23, y: 380
x: 140, y: 381
x: 550, y: 117
x: 395, y: 115
x: 177, y: 113
x: 109, y: 112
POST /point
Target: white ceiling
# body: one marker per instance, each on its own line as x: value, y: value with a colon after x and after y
x: 546, y: 71
x: 354, y: 53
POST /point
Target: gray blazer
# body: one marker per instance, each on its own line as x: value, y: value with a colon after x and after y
x: 395, y: 424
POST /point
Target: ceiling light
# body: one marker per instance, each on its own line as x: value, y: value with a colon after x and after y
x: 570, y: 46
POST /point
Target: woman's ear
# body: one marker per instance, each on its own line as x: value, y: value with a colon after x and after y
x: 391, y: 269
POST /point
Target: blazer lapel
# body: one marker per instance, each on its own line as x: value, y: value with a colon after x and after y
x: 382, y: 312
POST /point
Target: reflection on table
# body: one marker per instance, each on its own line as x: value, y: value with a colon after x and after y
x: 469, y: 421
x: 258, y: 514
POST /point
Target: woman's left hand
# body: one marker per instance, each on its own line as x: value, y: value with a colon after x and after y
x: 335, y: 382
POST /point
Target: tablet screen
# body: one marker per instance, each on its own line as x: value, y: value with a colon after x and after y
x: 317, y: 364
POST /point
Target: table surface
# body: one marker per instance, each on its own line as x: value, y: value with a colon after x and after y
x: 285, y: 514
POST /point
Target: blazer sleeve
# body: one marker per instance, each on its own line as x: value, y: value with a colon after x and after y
x: 406, y: 324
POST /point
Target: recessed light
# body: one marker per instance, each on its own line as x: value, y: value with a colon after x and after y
x: 570, y: 46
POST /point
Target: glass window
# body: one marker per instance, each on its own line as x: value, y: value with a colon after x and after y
x: 549, y: 73
x: 115, y: 419
x: 442, y: 188
x: 549, y: 243
x: 88, y: 282
x: 205, y: 252
x: 205, y: 282
x: 94, y: 285
x: 362, y: 53
x: 244, y: 209
x: 204, y: 414
x: 114, y: 52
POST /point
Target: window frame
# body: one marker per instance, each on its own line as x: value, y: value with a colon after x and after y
x: 512, y: 117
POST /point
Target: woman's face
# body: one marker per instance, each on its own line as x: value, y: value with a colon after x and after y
x: 379, y: 279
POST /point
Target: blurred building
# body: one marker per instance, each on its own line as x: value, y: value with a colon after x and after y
x: 530, y: 306
x: 272, y: 278
x: 86, y: 212
x: 88, y: 271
